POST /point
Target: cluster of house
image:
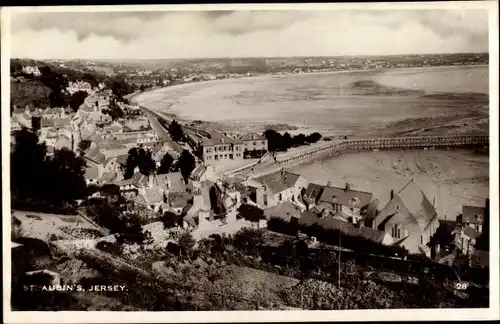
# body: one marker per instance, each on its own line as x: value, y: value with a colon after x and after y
x: 31, y: 70
x: 76, y: 86
x: 56, y: 125
x: 215, y: 146
x: 408, y: 219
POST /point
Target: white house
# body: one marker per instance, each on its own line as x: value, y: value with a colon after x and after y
x: 279, y: 187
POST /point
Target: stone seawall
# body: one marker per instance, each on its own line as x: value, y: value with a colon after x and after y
x: 398, y: 143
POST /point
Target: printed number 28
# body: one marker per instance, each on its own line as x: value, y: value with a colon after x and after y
x: 461, y: 285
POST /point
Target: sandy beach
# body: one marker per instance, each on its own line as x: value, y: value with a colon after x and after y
x: 419, y: 101
x: 453, y: 177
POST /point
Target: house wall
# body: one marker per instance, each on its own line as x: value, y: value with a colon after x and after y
x: 255, y: 145
x: 214, y: 153
x: 290, y: 194
x: 409, y: 228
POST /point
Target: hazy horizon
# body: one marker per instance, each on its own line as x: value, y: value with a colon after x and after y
x: 247, y: 34
x: 244, y: 57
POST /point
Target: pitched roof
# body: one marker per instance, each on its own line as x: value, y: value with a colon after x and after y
x: 470, y: 232
x: 91, y: 172
x: 217, y: 138
x: 314, y: 191
x: 122, y: 159
x: 139, y: 179
x: 252, y: 137
x: 278, y: 181
x: 178, y: 199
x: 473, y: 215
x: 176, y: 182
x: 417, y: 204
x: 309, y: 218
x: 160, y: 180
x: 351, y: 198
x: 286, y: 211
x: 95, y: 155
x: 153, y: 196
x: 108, y: 176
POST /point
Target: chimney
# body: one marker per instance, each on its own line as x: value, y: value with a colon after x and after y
x: 347, y: 187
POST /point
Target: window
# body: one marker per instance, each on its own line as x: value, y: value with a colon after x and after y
x: 263, y: 142
x: 280, y: 197
x: 421, y: 239
x: 396, y: 231
x: 216, y: 157
x: 265, y: 200
x: 254, y: 143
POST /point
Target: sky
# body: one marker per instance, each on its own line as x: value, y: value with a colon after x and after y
x: 199, y: 34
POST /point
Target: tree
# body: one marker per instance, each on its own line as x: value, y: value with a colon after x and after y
x: 36, y: 123
x: 84, y: 145
x: 27, y: 164
x: 314, y: 137
x: 176, y: 131
x: 186, y: 164
x: 169, y: 219
x: 186, y: 242
x: 139, y: 157
x: 166, y: 163
x: 65, y: 180
x: 114, y: 111
x: 248, y: 240
x: 77, y: 99
x: 87, y: 77
x: 299, y: 139
x: 251, y: 213
x: 287, y: 140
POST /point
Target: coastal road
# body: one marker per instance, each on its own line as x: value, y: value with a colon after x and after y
x: 163, y: 133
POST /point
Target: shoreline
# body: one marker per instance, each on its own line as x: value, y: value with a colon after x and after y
x: 270, y: 123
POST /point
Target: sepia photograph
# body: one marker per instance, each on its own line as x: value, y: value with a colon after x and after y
x: 184, y: 159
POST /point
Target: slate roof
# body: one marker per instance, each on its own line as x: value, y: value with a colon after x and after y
x: 108, y: 176
x: 122, y: 159
x: 417, y: 204
x: 176, y: 181
x: 252, y: 137
x: 218, y: 138
x: 309, y: 218
x: 95, y: 155
x: 178, y: 199
x: 139, y: 180
x: 91, y: 172
x: 286, y: 211
x: 314, y: 191
x: 469, y: 214
x: 153, y: 196
x: 277, y: 182
x: 350, y: 198
x: 470, y: 232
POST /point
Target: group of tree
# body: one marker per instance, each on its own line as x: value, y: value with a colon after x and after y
x: 58, y: 83
x: 165, y: 164
x: 77, y: 99
x: 143, y: 158
x: 113, y: 110
x: 139, y: 157
x: 112, y: 211
x: 143, y: 87
x: 187, y: 164
x: 119, y: 86
x: 175, y: 131
x: 278, y: 142
x: 52, y: 181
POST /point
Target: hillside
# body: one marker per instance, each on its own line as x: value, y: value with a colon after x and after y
x: 27, y: 92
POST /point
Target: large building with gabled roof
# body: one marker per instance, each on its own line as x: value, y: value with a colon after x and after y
x: 410, y: 218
